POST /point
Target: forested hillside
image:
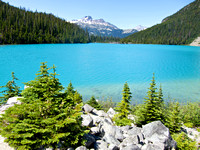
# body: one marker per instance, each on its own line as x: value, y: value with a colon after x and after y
x: 19, y: 26
x: 180, y: 28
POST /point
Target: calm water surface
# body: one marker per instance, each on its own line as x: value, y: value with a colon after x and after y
x: 102, y: 69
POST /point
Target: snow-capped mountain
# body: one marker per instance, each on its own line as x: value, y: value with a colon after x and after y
x: 101, y: 27
x: 140, y: 28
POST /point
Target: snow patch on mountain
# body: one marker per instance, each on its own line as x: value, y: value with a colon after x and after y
x: 140, y: 28
x: 101, y: 27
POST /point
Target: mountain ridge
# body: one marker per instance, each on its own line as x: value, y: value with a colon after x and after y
x: 103, y: 28
x: 180, y: 28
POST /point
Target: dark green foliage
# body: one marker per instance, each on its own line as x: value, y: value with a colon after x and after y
x: 92, y: 102
x: 173, y: 120
x: 72, y: 94
x: 18, y: 26
x: 184, y: 142
x: 123, y: 108
x: 9, y: 90
x: 180, y: 28
x: 47, y: 116
x: 190, y: 114
x: 152, y: 109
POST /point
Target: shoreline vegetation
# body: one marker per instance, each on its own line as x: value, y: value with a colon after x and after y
x: 46, y: 104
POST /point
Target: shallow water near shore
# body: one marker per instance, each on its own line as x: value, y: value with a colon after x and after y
x: 102, y: 69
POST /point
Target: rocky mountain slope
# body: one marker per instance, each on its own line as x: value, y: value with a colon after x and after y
x: 179, y: 28
x: 103, y: 28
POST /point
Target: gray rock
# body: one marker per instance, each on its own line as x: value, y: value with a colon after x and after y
x: 192, y: 133
x: 129, y: 141
x: 111, y: 113
x: 95, y: 130
x: 125, y: 129
x: 13, y: 100
x: 159, y: 135
x: 94, y: 111
x: 96, y: 119
x: 140, y: 138
x: 131, y: 147
x: 107, y: 128
x: 90, y: 140
x: 101, y: 113
x: 87, y: 121
x: 134, y: 131
x: 111, y: 140
x: 101, y: 145
x: 113, y: 147
x: 151, y: 147
x: 87, y: 108
x: 119, y: 134
x: 81, y: 148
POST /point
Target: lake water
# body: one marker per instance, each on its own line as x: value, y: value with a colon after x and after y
x: 102, y: 69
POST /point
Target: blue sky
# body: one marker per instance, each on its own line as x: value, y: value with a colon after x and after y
x: 125, y: 14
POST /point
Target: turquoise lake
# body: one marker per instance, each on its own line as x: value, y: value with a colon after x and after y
x: 102, y: 69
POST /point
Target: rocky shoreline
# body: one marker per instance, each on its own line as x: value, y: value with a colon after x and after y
x: 104, y: 135
x: 196, y: 42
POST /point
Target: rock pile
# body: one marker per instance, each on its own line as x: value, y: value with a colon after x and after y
x: 104, y: 135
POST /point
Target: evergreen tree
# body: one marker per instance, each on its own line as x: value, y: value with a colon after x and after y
x: 160, y: 106
x: 10, y: 89
x: 47, y: 116
x: 123, y: 108
x: 73, y: 94
x: 151, y: 102
x: 92, y: 102
x: 174, y: 120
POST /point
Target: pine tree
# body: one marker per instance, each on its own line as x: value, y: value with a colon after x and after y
x: 73, y: 94
x: 47, y: 117
x: 174, y: 120
x: 92, y: 102
x: 160, y: 106
x: 11, y: 89
x: 123, y: 108
x: 150, y: 113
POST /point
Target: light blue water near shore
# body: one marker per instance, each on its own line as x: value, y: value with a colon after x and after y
x: 102, y: 69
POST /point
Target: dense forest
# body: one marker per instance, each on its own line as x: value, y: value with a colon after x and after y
x: 18, y: 26
x: 180, y: 28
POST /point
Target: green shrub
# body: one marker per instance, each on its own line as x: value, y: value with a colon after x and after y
x: 184, y: 142
x: 47, y: 116
x: 106, y: 105
x: 10, y: 89
x: 189, y: 124
x: 190, y: 113
x: 94, y: 103
x: 122, y: 122
x: 198, y: 129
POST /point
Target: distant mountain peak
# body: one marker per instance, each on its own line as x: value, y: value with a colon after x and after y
x: 140, y: 28
x: 101, y: 27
